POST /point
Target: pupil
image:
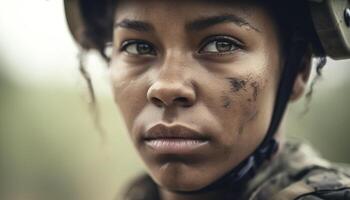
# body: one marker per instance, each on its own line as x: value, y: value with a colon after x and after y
x: 223, y: 46
x: 143, y: 48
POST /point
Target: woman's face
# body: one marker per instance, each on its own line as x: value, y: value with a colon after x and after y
x: 195, y: 82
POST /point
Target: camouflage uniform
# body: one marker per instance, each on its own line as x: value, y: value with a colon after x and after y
x: 297, y: 173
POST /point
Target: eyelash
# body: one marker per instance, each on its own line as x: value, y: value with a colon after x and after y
x: 128, y: 43
x: 234, y: 43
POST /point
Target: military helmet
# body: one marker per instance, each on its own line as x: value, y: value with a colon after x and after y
x: 331, y: 21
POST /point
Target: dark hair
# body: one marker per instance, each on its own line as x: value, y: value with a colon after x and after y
x: 98, y: 28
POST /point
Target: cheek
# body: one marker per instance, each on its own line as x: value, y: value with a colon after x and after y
x: 244, y: 108
x: 252, y: 108
x: 240, y: 110
x: 128, y: 92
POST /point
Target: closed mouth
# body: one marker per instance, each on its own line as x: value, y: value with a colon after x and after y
x: 176, y: 139
x: 174, y: 132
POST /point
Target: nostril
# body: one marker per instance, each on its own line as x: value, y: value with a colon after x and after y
x: 157, y: 102
x: 182, y: 101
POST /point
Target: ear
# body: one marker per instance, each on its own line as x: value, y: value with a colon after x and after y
x: 303, y: 76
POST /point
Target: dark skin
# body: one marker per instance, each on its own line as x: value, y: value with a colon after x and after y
x: 212, y: 67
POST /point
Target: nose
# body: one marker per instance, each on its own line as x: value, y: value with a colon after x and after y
x: 166, y: 93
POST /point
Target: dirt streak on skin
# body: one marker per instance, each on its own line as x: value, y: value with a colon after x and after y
x: 255, y: 87
x: 226, y: 100
x: 237, y: 84
x: 241, y: 84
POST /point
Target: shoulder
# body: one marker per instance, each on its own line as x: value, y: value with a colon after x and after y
x: 318, y: 183
x: 299, y: 173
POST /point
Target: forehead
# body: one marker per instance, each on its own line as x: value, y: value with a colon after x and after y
x: 177, y: 11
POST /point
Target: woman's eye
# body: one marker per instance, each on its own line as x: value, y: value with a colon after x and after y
x: 138, y: 48
x: 220, y: 46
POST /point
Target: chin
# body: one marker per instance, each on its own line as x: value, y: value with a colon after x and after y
x: 179, y: 177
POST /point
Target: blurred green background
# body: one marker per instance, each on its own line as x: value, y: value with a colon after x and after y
x: 49, y: 147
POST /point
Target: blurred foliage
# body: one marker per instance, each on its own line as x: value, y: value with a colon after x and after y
x: 51, y: 150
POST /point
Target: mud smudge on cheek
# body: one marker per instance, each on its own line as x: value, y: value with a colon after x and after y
x: 249, y: 110
x: 237, y: 84
x: 255, y: 87
x: 248, y: 99
x: 226, y: 101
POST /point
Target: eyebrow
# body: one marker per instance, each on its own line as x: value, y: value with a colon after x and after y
x: 207, y: 22
x: 135, y: 25
x: 196, y: 25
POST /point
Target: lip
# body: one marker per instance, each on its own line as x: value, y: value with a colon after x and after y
x: 174, y: 139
